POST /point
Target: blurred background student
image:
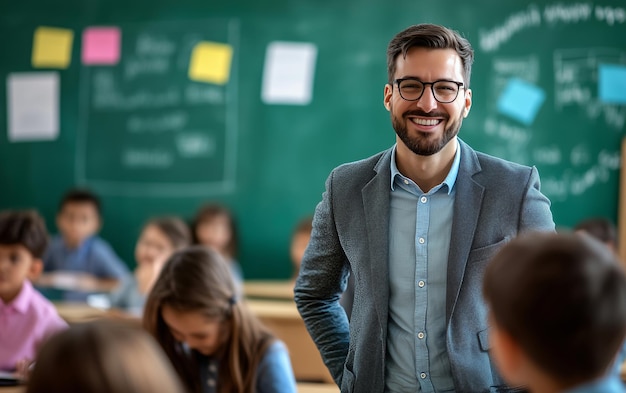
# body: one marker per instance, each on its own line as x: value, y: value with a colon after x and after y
x: 159, y: 239
x: 214, y: 342
x: 102, y: 357
x: 214, y: 225
x: 600, y: 228
x: 557, y: 313
x: 605, y: 231
x: 77, y: 259
x: 299, y: 241
x: 27, y: 319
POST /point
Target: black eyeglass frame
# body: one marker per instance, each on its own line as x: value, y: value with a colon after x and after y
x: 432, y: 88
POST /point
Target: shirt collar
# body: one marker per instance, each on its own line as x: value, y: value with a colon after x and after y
x: 20, y: 303
x: 450, y: 179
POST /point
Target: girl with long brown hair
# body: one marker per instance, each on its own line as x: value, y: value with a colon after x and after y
x: 214, y: 342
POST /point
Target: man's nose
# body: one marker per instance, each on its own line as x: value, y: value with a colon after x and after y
x: 427, y: 101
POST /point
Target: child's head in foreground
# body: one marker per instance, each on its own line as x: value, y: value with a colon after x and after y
x: 23, y: 240
x: 102, y: 357
x: 557, y: 309
x: 78, y: 217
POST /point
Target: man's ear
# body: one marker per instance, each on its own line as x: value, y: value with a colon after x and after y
x: 36, y: 267
x: 387, y: 96
x: 467, y: 103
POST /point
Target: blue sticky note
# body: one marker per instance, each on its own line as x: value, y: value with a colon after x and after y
x: 521, y: 100
x: 612, y: 83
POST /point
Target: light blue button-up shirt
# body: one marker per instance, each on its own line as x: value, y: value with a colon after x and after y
x: 419, y: 241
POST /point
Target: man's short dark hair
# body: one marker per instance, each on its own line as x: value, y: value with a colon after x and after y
x: 562, y: 298
x: 25, y: 228
x: 433, y: 37
x: 80, y: 195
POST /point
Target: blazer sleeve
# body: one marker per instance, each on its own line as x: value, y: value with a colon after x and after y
x: 535, y: 211
x: 320, y: 283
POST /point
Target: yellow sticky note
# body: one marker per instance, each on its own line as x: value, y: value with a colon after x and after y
x: 52, y: 47
x: 210, y: 62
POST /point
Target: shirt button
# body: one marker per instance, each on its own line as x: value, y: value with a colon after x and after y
x: 210, y: 382
x: 421, y: 284
x: 420, y: 335
x: 423, y: 375
x: 421, y: 240
x: 424, y: 199
x: 406, y: 181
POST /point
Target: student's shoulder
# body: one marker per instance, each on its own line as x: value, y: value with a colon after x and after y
x: 55, y: 244
x: 101, y: 247
x: 277, y: 346
x: 44, y: 310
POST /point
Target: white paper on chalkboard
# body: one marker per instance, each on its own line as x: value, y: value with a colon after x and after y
x: 33, y: 106
x: 288, y: 73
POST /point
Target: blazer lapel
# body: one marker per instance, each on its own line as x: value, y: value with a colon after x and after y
x: 375, y: 196
x: 469, y: 195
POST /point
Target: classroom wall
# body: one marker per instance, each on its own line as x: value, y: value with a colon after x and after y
x: 151, y: 140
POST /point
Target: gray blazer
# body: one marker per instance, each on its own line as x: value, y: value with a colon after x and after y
x: 495, y: 200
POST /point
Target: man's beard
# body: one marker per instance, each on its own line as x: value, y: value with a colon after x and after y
x: 421, y: 145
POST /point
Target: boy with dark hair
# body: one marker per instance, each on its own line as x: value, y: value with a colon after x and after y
x: 26, y: 317
x: 82, y: 261
x: 602, y: 229
x: 557, y: 312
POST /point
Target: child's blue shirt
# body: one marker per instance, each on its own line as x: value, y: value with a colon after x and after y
x: 95, y: 256
x: 274, y: 373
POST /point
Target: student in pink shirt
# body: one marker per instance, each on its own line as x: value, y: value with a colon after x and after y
x: 26, y: 317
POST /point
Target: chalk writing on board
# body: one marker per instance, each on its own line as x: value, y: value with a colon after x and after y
x: 547, y: 155
x: 490, y: 39
x: 575, y: 183
x: 148, y: 128
x: 610, y: 15
x: 580, y: 155
x: 567, y: 13
x: 576, y: 83
x: 157, y: 158
x: 169, y: 121
x: 504, y: 68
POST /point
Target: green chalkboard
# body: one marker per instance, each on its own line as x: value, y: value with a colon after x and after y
x: 152, y: 141
x: 147, y: 128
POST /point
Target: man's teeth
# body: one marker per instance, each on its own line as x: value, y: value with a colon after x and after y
x: 425, y: 122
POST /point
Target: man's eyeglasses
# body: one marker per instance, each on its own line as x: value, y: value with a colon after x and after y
x: 444, y: 91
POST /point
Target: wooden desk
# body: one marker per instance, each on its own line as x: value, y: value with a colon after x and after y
x: 78, y: 312
x: 262, y: 289
x: 82, y: 312
x: 22, y: 389
x: 283, y: 319
x: 305, y: 387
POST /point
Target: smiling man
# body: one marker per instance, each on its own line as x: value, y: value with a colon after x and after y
x: 416, y: 224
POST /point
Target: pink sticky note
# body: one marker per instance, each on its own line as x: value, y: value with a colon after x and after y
x: 101, y: 45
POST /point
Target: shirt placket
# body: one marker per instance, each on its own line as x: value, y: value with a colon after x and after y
x: 422, y: 221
